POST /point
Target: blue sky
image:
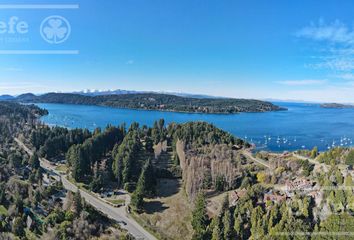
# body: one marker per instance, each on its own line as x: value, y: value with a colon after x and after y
x: 301, y: 50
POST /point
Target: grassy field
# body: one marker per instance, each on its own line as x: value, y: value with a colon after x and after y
x: 3, y: 210
x: 116, y: 201
x: 61, y: 168
x: 169, y: 215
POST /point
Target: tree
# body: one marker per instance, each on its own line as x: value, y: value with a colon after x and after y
x: 350, y: 158
x: 18, y: 227
x: 261, y: 177
x: 227, y: 223
x: 149, y: 145
x: 314, y: 152
x: 217, y: 233
x: 77, y: 203
x: 220, y: 183
x: 147, y: 179
x: 137, y: 200
x: 145, y: 186
x: 199, y: 218
x: 257, y: 226
x: 34, y: 161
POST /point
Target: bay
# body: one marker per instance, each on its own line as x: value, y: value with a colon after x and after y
x: 303, y: 126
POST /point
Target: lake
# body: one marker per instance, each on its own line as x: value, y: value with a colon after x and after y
x: 303, y: 126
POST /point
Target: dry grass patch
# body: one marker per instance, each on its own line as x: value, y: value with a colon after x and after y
x: 169, y: 215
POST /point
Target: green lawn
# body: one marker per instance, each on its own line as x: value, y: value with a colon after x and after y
x: 116, y: 201
x: 3, y: 210
x: 62, y: 168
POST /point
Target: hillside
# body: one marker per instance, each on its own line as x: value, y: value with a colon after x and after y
x: 154, y: 101
x: 336, y: 105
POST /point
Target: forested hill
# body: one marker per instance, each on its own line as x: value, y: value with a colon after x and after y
x: 154, y: 101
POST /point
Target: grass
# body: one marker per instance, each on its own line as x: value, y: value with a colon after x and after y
x: 80, y: 185
x: 3, y: 210
x: 116, y: 201
x: 169, y: 215
x: 61, y: 168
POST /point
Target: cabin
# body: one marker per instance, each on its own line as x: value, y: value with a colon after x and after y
x: 235, y: 195
x: 277, y: 198
x: 298, y: 184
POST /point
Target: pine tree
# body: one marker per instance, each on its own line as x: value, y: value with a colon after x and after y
x: 217, y: 231
x: 227, y: 223
x: 199, y: 218
x: 34, y: 161
x: 77, y: 203
x: 137, y: 200
x: 147, y: 179
x: 18, y: 227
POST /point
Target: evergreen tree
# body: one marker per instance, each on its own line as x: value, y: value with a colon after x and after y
x: 227, y: 223
x: 34, y: 161
x: 18, y: 227
x: 147, y: 179
x: 200, y: 218
x: 137, y: 200
x: 77, y: 203
x: 217, y: 231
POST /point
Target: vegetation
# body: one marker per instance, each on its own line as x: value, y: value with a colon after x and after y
x: 31, y: 201
x: 209, y: 160
x: 154, y: 101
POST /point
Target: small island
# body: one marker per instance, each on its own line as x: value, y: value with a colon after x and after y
x: 156, y: 101
x: 336, y: 105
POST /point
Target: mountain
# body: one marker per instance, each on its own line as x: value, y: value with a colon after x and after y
x: 6, y: 97
x: 94, y: 93
x: 155, y: 101
x: 26, y: 97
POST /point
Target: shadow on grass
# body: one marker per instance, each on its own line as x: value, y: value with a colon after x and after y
x: 154, y: 206
x: 168, y: 187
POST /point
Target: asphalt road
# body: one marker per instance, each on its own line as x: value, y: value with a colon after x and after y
x: 118, y: 214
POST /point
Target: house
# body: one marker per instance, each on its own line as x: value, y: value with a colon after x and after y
x: 270, y: 196
x: 298, y: 184
x: 235, y: 195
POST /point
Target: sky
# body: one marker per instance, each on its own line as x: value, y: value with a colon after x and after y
x: 274, y: 49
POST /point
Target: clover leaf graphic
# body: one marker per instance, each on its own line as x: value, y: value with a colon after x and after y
x: 55, y: 29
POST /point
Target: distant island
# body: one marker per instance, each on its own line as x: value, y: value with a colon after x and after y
x: 155, y: 101
x: 336, y: 105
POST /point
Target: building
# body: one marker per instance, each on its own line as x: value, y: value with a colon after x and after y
x: 299, y: 184
x: 235, y: 195
x: 270, y: 196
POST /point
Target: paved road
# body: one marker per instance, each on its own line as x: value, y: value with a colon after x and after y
x: 117, y: 214
x: 258, y: 160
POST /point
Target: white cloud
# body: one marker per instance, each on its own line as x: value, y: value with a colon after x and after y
x: 337, y: 53
x: 335, y: 32
x: 305, y: 82
x: 346, y: 76
x: 336, y: 63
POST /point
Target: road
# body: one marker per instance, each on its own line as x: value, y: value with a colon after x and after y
x: 118, y: 214
x: 317, y: 164
x: 258, y: 160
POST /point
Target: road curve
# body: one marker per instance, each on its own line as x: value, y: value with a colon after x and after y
x: 255, y: 159
x: 117, y: 214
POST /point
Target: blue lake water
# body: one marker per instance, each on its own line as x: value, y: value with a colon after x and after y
x: 302, y: 126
